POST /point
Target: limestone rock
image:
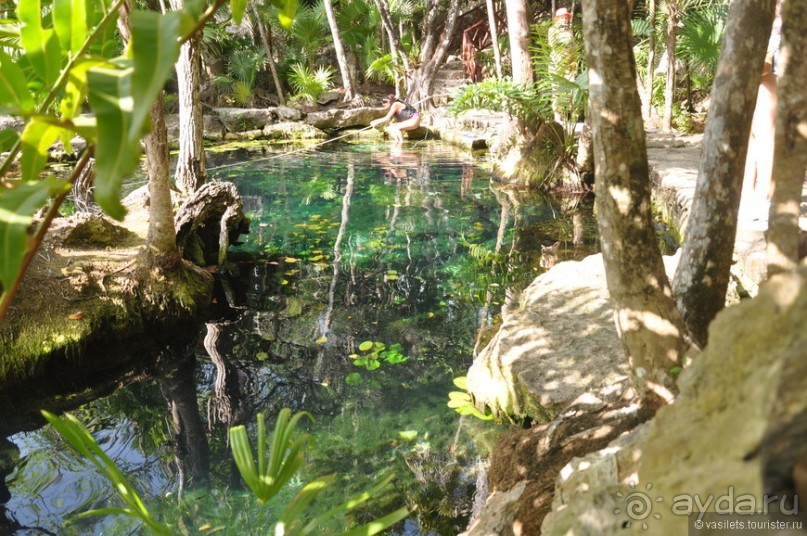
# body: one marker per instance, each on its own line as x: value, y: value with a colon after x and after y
x: 244, y: 119
x: 93, y: 231
x: 738, y: 426
x: 286, y: 113
x: 533, y: 457
x: 339, y: 118
x: 557, y: 343
x: 292, y: 131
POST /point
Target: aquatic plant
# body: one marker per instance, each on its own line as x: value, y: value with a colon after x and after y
x: 462, y: 403
x: 373, y: 353
x: 265, y: 479
x: 82, y: 441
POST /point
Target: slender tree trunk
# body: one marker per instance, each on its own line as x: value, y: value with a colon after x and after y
x: 161, y: 234
x: 647, y: 320
x: 341, y: 57
x: 651, y: 60
x: 494, y: 37
x: 790, y: 148
x: 703, y: 272
x: 669, y: 88
x: 191, y: 171
x: 433, y: 53
x: 394, y: 38
x: 161, y: 239
x: 266, y: 37
x: 518, y: 27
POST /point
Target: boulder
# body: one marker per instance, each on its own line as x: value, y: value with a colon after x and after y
x: 524, y: 462
x: 339, y: 118
x: 93, y: 231
x: 293, y: 131
x: 286, y: 113
x: 558, y: 342
x: 334, y: 95
x: 737, y: 429
x: 244, y: 119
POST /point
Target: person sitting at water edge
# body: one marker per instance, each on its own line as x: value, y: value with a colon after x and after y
x: 405, y: 115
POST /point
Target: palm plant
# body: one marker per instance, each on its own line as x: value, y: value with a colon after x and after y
x: 310, y: 31
x: 700, y: 41
x: 308, y: 85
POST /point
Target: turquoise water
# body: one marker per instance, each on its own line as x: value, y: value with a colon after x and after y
x: 351, y: 247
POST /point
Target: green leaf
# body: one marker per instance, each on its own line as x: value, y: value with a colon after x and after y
x: 14, y: 95
x: 372, y: 364
x: 155, y: 50
x: 366, y: 345
x: 8, y: 137
x: 455, y: 404
x: 382, y: 523
x: 41, y: 45
x: 38, y: 136
x: 461, y: 382
x: 17, y: 208
x: 286, y: 11
x: 116, y: 153
x: 408, y: 435
x: 458, y: 395
x: 75, y: 90
x: 354, y: 378
x: 238, y: 7
x: 70, y: 23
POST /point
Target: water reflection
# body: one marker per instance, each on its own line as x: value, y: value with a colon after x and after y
x: 410, y: 249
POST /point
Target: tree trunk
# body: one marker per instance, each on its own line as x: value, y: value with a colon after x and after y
x: 585, y: 151
x: 394, y: 38
x: 669, y: 87
x: 433, y: 51
x: 191, y: 170
x: 651, y: 59
x: 494, y: 37
x: 790, y: 148
x: 266, y: 37
x: 646, y: 318
x: 161, y: 234
x: 518, y: 28
x: 341, y: 57
x: 703, y: 272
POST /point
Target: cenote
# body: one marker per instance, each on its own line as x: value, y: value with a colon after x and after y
x: 351, y: 247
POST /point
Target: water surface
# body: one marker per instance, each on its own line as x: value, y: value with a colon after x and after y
x: 398, y: 259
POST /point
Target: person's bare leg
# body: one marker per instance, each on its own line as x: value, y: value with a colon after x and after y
x: 764, y: 135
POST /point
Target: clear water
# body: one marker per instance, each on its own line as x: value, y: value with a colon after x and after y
x: 413, y: 248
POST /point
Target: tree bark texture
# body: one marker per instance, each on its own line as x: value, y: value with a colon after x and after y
x: 702, y: 276
x: 161, y: 233
x: 651, y: 59
x: 434, y: 50
x: 266, y: 36
x: 518, y: 27
x: 494, y: 37
x: 161, y: 237
x: 647, y: 320
x: 790, y: 145
x: 191, y: 171
x: 669, y: 87
x: 341, y: 57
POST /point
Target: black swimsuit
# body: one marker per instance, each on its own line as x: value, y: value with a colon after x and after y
x: 407, y: 113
